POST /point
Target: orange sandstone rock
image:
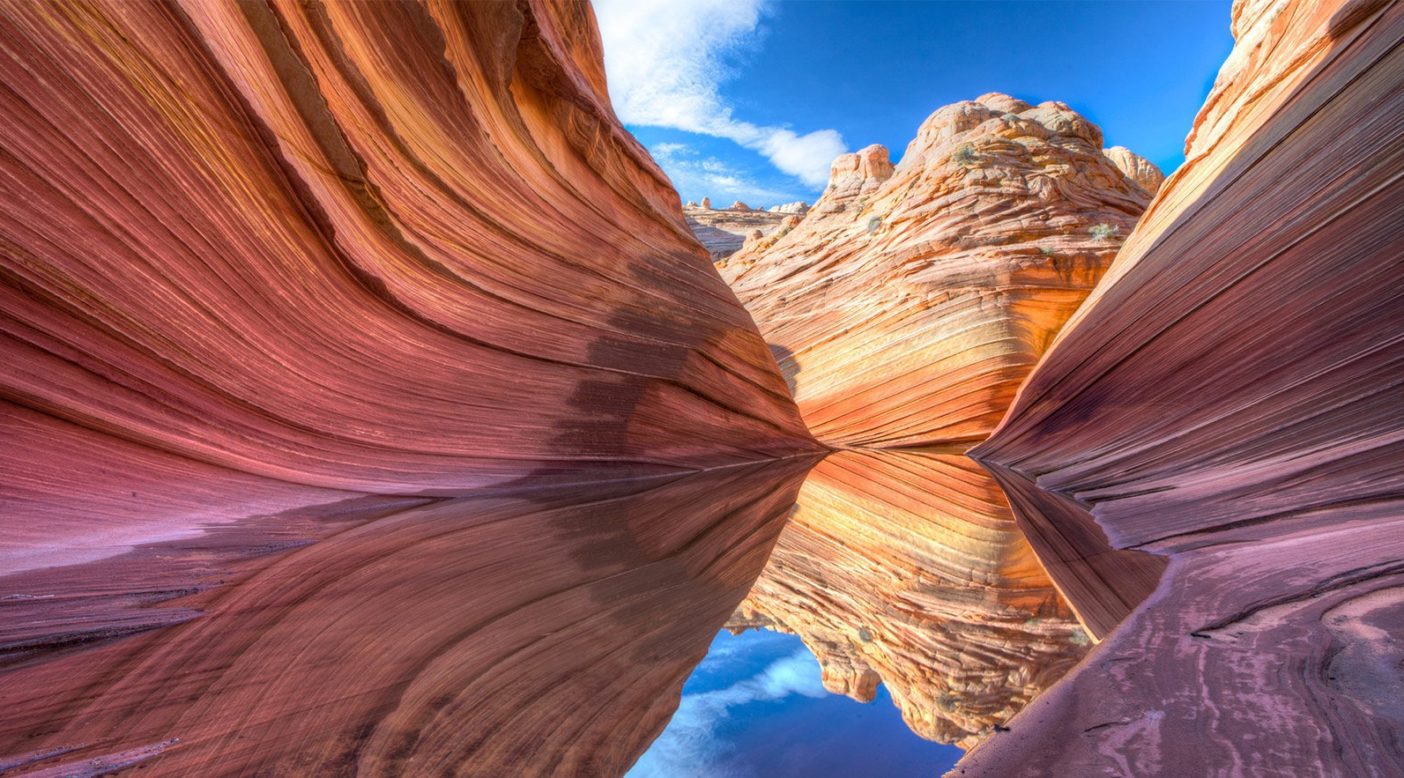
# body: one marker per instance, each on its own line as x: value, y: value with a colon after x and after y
x: 909, y: 569
x: 284, y: 282
x: 1136, y: 167
x: 911, y: 300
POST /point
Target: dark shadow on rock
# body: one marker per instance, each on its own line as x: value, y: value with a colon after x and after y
x: 789, y: 366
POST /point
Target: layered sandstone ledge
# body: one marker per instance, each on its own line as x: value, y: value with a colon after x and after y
x: 1229, y: 396
x: 909, y: 303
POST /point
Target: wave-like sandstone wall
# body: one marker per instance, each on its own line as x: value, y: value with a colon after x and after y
x: 260, y: 255
x: 279, y: 283
x: 909, y: 303
x: 1229, y: 395
x: 908, y: 569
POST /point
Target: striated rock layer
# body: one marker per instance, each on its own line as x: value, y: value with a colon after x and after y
x: 1102, y: 584
x: 1229, y: 396
x: 910, y: 302
x: 530, y: 633
x: 908, y: 569
x: 263, y: 255
x: 280, y: 283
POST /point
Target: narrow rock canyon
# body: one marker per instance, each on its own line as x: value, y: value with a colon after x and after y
x: 374, y: 406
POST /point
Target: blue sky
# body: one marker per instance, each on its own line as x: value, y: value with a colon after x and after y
x: 751, y: 99
x: 755, y: 706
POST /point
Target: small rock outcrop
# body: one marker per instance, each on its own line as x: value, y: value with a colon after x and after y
x: 798, y: 207
x: 739, y: 207
x: 707, y: 203
x: 1136, y: 167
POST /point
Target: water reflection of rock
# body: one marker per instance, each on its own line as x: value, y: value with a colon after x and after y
x: 909, y: 568
x: 526, y: 633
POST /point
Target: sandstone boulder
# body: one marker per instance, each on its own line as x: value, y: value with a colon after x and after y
x: 798, y: 207
x: 1136, y: 167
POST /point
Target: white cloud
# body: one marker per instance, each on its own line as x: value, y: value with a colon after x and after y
x: 669, y: 150
x: 801, y: 155
x: 689, y: 745
x: 715, y: 178
x: 665, y: 61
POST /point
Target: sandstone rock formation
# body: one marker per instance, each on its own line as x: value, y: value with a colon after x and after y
x: 909, y: 569
x: 798, y: 207
x: 910, y: 301
x: 1103, y: 584
x: 724, y: 232
x: 1137, y: 168
x: 739, y: 207
x: 259, y: 257
x: 287, y: 268
x: 707, y: 203
x: 478, y: 636
x: 1229, y: 396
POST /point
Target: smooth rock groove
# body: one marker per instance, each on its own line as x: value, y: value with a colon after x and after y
x: 1229, y: 396
x: 908, y: 304
x: 259, y: 256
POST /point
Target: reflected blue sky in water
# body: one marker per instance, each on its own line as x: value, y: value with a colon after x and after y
x: 755, y: 706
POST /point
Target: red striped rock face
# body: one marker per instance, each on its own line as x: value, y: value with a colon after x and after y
x: 266, y: 256
x: 289, y: 274
x: 910, y: 302
x: 1229, y: 395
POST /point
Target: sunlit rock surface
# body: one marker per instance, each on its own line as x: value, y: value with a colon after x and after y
x: 798, y: 208
x: 1137, y: 168
x: 265, y: 256
x: 909, y: 569
x: 910, y: 302
x: 1230, y: 396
